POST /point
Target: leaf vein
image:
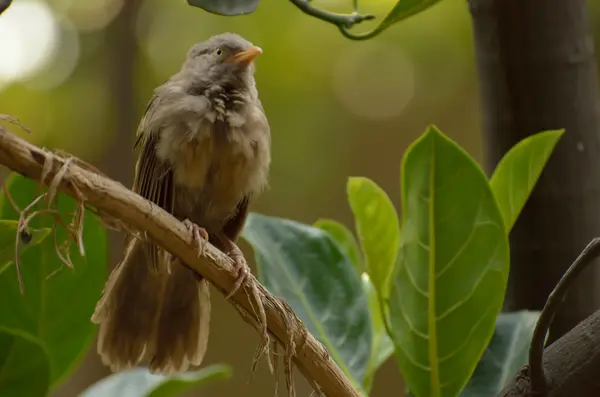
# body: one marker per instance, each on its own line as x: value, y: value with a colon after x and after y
x: 412, y: 360
x: 413, y: 283
x: 457, y: 350
x: 411, y: 327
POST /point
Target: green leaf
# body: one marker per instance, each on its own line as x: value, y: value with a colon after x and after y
x: 345, y: 239
x: 139, y: 382
x: 402, y: 10
x: 507, y: 352
x: 378, y: 230
x: 57, y: 305
x: 226, y: 7
x: 8, y: 234
x: 449, y: 286
x: 382, y: 346
x: 309, y: 270
x: 518, y: 171
x: 24, y: 365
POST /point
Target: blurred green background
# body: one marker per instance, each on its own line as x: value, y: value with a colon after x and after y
x: 78, y: 73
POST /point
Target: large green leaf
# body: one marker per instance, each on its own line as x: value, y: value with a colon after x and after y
x: 8, y: 234
x: 518, y: 171
x: 139, y: 382
x: 378, y: 229
x: 309, y: 270
x: 507, y: 352
x: 226, y: 7
x: 382, y: 347
x: 449, y: 286
x: 345, y: 239
x: 24, y: 365
x: 55, y: 309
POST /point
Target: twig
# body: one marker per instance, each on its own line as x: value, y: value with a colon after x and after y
x: 345, y: 21
x: 536, y: 351
x: 10, y: 199
x: 21, y: 226
x: 6, y: 117
x: 116, y: 201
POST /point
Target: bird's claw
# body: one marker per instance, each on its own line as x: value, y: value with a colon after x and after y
x: 199, y: 235
x: 241, y: 267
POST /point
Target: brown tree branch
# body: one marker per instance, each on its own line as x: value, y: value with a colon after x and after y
x: 115, y: 200
x: 571, y: 365
x: 539, y: 384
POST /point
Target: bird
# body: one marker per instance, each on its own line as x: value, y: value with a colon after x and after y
x: 203, y: 154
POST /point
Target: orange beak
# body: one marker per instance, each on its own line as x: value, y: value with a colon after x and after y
x: 246, y: 57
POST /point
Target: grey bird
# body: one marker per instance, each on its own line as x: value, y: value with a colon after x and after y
x: 203, y: 155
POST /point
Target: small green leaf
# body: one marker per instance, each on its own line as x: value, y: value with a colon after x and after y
x: 402, y: 10
x: 24, y: 365
x: 58, y: 302
x: 226, y: 7
x: 518, y: 171
x: 378, y: 229
x: 507, y: 352
x: 449, y: 286
x: 8, y: 234
x: 345, y: 239
x: 139, y: 382
x: 309, y: 270
x: 382, y: 346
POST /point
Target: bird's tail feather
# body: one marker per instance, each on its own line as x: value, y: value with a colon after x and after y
x: 161, y: 318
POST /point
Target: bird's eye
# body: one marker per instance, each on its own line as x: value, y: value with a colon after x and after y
x: 218, y: 51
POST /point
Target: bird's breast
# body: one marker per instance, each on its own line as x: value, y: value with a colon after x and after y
x: 218, y: 159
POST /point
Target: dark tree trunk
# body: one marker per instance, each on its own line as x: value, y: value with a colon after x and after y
x: 537, y: 72
x: 122, y: 55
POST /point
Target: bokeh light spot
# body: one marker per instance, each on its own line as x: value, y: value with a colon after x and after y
x: 29, y: 38
x: 89, y: 16
x: 374, y: 80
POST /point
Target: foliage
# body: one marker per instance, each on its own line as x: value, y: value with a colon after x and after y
x: 57, y: 301
x: 426, y: 286
x: 25, y: 365
x: 519, y: 170
x: 402, y: 10
x: 141, y: 383
x: 378, y: 229
x: 448, y: 270
x: 449, y: 284
x: 45, y: 332
x: 505, y: 355
x: 8, y: 231
x: 329, y: 298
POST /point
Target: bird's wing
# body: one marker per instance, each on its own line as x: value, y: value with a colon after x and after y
x: 235, y: 225
x: 153, y: 178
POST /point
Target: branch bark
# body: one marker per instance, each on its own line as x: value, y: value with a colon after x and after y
x: 115, y: 200
x: 537, y: 71
x: 570, y: 365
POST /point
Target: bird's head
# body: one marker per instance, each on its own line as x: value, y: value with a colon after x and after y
x: 224, y: 60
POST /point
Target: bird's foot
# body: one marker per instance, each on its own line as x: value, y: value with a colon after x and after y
x: 240, y: 266
x: 199, y: 235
